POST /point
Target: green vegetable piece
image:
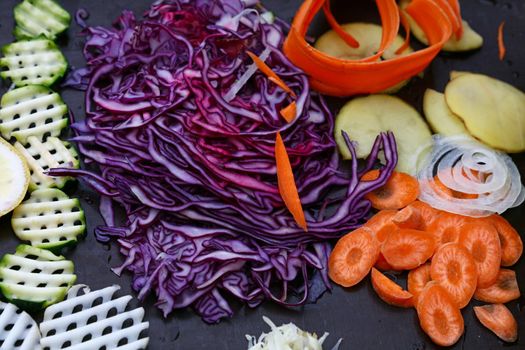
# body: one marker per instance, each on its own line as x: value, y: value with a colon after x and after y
x: 32, y: 110
x: 33, y: 62
x: 36, y: 18
x: 34, y: 278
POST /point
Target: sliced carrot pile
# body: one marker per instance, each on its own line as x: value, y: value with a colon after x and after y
x: 417, y: 216
x: 407, y: 249
x: 399, y: 191
x: 439, y: 316
x: 499, y: 320
x: 482, y: 241
x: 381, y: 224
x: 447, y: 227
x: 509, y: 238
x: 417, y: 280
x: 389, y: 291
x: 505, y: 289
x: 455, y: 270
x: 353, y: 257
x: 501, y: 43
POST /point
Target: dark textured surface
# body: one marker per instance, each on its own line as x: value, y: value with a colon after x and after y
x: 356, y: 315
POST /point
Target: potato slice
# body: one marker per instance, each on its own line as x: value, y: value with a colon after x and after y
x: 470, y: 40
x: 363, y: 118
x: 493, y: 111
x: 457, y: 73
x: 369, y: 37
x: 440, y: 117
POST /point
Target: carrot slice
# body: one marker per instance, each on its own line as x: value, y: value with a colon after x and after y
x: 455, y: 269
x: 383, y: 265
x: 417, y: 216
x: 502, y: 291
x: 439, y: 316
x: 501, y: 44
x: 286, y: 183
x: 418, y: 279
x: 263, y: 67
x: 381, y: 224
x: 406, y: 249
x: 353, y: 257
x: 390, y: 292
x: 499, y: 320
x: 399, y: 191
x: 289, y: 112
x: 447, y: 227
x: 509, y: 238
x: 482, y: 241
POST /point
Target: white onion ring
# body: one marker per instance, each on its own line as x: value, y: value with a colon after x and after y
x: 464, y: 165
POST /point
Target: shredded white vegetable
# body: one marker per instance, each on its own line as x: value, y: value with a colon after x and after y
x: 287, y: 337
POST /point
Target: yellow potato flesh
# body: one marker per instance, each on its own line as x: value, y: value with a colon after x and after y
x: 440, y: 117
x: 493, y: 111
x: 363, y: 118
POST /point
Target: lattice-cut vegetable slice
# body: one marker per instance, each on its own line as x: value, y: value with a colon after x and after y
x: 49, y: 219
x: 36, y: 18
x: 33, y: 62
x: 34, y: 278
x: 94, y: 320
x: 40, y: 157
x: 14, y: 177
x: 33, y: 110
x: 18, y: 331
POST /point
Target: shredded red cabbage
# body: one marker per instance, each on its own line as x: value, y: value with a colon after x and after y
x: 196, y: 174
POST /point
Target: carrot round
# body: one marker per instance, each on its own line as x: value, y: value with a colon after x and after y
x: 381, y: 224
x: 499, y: 320
x: 406, y: 249
x: 439, y: 316
x: 399, y: 191
x: 509, y: 238
x: 353, y: 257
x: 455, y: 270
x: 501, y: 43
x: 383, y: 265
x: 417, y: 216
x: 417, y: 280
x: 390, y: 292
x: 502, y: 291
x: 447, y: 227
x: 286, y: 183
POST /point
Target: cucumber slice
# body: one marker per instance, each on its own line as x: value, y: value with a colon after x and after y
x: 49, y: 219
x: 33, y: 62
x: 14, y: 177
x: 34, y: 278
x: 32, y: 110
x: 363, y: 118
x: 441, y: 119
x: 54, y: 153
x: 36, y: 18
x: 94, y: 320
x: 18, y: 331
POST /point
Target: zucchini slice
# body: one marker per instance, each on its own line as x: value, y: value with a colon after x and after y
x: 36, y: 18
x: 49, y: 219
x: 94, y: 320
x: 34, y: 278
x: 33, y: 62
x: 42, y: 156
x: 18, y: 331
x: 32, y: 110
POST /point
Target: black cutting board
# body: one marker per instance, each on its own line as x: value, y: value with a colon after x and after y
x: 356, y: 315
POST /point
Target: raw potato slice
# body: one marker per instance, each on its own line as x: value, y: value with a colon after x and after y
x: 470, y: 40
x: 94, y: 320
x: 14, y: 177
x: 40, y: 17
x: 363, y: 118
x: 18, y: 331
x: 34, y: 278
x: 33, y: 62
x: 41, y: 157
x: 493, y: 111
x: 369, y: 37
x: 49, y: 219
x: 440, y: 117
x: 33, y: 110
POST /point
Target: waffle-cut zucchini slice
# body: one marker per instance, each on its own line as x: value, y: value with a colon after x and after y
x: 40, y: 17
x: 49, y: 219
x: 18, y: 331
x: 32, y: 110
x: 40, y: 157
x: 33, y: 62
x: 94, y: 320
x: 34, y: 278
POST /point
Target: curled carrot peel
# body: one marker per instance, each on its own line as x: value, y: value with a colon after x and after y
x: 501, y: 44
x: 457, y: 11
x: 349, y: 39
x: 406, y: 27
x: 263, y: 67
x: 286, y: 183
x: 289, y: 112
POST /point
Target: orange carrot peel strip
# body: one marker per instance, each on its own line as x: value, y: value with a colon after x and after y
x: 501, y: 44
x: 286, y: 183
x: 349, y: 39
x: 406, y: 27
x: 289, y: 112
x: 341, y: 77
x: 263, y: 67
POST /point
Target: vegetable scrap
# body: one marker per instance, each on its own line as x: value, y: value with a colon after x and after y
x: 501, y: 43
